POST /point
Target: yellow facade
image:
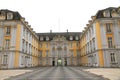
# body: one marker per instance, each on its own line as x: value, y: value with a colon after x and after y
x: 100, y: 53
x: 16, y: 63
x: 92, y: 45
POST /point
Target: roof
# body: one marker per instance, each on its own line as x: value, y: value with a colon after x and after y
x: 100, y: 12
x: 16, y: 15
x: 53, y: 34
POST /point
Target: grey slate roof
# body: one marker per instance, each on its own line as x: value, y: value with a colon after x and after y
x: 100, y: 12
x: 16, y: 15
x: 53, y: 34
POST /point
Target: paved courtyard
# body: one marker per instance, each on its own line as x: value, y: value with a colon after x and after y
x: 61, y: 73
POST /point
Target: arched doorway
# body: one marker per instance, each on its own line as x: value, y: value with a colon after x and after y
x: 65, y: 63
x: 53, y: 62
x: 59, y: 62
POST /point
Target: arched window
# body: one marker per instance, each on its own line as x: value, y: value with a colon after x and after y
x: 47, y: 38
x: 41, y: 38
x: 71, y: 37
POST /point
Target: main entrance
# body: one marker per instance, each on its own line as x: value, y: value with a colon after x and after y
x: 59, y: 62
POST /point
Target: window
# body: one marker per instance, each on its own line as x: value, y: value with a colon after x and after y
x: 108, y: 28
x: 41, y: 38
x: 112, y: 55
x: 9, y: 15
x: 29, y: 49
x: 8, y: 30
x: 47, y: 38
x: 22, y: 60
x: 71, y: 45
x: 5, y: 59
x: 46, y: 45
x: 27, y: 34
x: 88, y: 48
x: 71, y: 38
x: 94, y: 43
x: 106, y: 13
x: 77, y: 44
x: 40, y: 53
x: 46, y: 53
x: 92, y: 30
x: 26, y: 46
x: 91, y: 46
x: 76, y: 38
x: 7, y: 43
x: 110, y: 45
x: 23, y: 45
x: 23, y: 32
x: 41, y: 45
x: 89, y: 33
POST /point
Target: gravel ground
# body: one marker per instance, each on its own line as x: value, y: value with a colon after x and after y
x: 8, y: 73
x: 111, y: 73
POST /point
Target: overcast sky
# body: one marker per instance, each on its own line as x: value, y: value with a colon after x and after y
x: 57, y: 15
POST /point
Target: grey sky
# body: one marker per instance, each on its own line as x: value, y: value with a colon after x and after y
x: 57, y: 15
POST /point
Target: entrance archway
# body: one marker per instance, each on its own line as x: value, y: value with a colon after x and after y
x: 59, y: 62
x: 65, y: 63
x: 53, y: 63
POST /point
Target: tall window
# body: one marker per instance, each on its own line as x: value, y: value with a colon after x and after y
x: 93, y: 43
x: 91, y: 46
x: 22, y: 60
x: 108, y: 28
x: 112, y: 55
x: 41, y: 38
x: 77, y: 44
x: 46, y: 53
x: 7, y: 43
x: 40, y: 53
x: 47, y: 38
x: 110, y: 45
x: 8, y: 30
x: 5, y: 59
x: 41, y: 45
x: 92, y: 30
x: 24, y: 32
x: 71, y: 37
x: 26, y: 47
x: 71, y: 45
x: 46, y: 45
x: 23, y: 45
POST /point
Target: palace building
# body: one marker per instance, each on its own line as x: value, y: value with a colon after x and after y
x: 98, y: 45
x: 59, y: 49
x: 100, y: 41
x: 19, y: 43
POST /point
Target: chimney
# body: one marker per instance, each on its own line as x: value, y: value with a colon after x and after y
x: 67, y: 30
x: 50, y: 31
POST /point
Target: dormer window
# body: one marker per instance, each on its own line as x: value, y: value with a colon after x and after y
x: 113, y: 11
x: 2, y: 15
x: 118, y: 10
x: 41, y: 38
x: 9, y: 16
x: 71, y: 37
x: 76, y: 38
x: 106, y: 13
x: 47, y: 38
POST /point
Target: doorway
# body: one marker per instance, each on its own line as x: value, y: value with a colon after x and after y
x: 65, y: 63
x: 53, y: 63
x: 59, y: 62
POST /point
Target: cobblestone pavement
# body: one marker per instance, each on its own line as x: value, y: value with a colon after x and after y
x: 57, y: 73
x: 111, y: 73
